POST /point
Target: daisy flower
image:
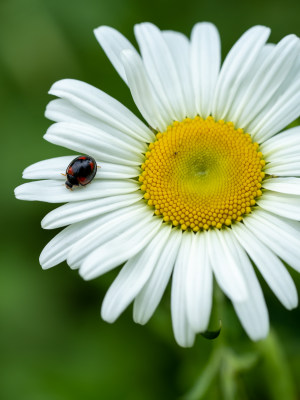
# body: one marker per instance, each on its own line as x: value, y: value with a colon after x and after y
x: 206, y: 186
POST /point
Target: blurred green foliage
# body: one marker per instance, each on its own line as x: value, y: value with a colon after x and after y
x: 53, y: 344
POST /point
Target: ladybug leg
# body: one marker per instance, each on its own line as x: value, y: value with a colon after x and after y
x: 69, y: 188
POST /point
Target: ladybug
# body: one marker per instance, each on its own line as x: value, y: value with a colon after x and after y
x: 80, y: 171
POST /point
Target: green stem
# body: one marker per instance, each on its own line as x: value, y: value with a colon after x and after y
x: 206, y: 378
x: 277, y: 375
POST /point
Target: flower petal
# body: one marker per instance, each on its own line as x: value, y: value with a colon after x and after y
x: 283, y: 185
x: 120, y: 249
x: 112, y: 225
x: 285, y: 168
x: 142, y: 91
x: 225, y: 266
x: 52, y: 168
x: 285, y: 205
x: 183, y: 332
x: 282, y: 144
x: 253, y: 312
x: 92, y: 141
x: 235, y: 69
x: 199, y: 284
x: 116, y: 171
x: 282, y: 153
x: 132, y: 277
x: 60, y: 110
x: 268, y: 78
x: 102, y: 106
x: 282, y: 116
x: 284, y: 111
x: 149, y: 297
x: 281, y: 237
x: 55, y: 191
x: 55, y: 168
x: 113, y: 43
x: 179, y: 47
x: 271, y: 268
x: 161, y: 69
x: 71, y: 213
x: 205, y: 65
x: 58, y: 248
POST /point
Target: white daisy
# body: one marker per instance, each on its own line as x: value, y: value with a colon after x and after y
x: 217, y: 187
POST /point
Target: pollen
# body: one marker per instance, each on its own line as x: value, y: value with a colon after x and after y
x: 201, y: 174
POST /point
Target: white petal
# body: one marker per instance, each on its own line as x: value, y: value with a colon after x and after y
x: 116, y: 171
x: 234, y: 105
x: 285, y: 95
x: 225, y: 266
x: 93, y: 141
x: 58, y: 248
x: 282, y: 153
x: 111, y: 226
x: 236, y: 67
x: 284, y: 111
x: 286, y: 205
x: 205, y: 65
x: 71, y: 213
x: 282, y: 144
x: 283, y: 185
x: 149, y: 297
x: 268, y: 78
x: 102, y: 106
x: 120, y: 249
x: 48, y: 169
x: 285, y: 168
x: 142, y: 92
x: 55, y: 168
x: 183, y: 332
x: 179, y: 47
x: 269, y: 265
x: 161, y: 69
x: 253, y: 312
x: 60, y: 110
x: 282, y: 238
x: 55, y: 191
x: 132, y: 277
x: 199, y: 284
x: 113, y: 43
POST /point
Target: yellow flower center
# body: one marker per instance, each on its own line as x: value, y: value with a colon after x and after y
x: 201, y: 173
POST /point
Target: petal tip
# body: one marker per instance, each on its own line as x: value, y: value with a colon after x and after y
x: 257, y: 336
x: 45, y: 224
x: 106, y: 314
x: 16, y: 192
x: 101, y: 30
x: 84, y: 272
x: 59, y: 85
x: 19, y: 192
x: 45, y: 262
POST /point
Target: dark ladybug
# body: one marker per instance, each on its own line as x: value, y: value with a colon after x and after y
x: 80, y: 171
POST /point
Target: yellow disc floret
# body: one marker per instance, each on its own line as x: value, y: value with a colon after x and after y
x: 201, y: 173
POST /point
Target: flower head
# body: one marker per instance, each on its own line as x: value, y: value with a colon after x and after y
x: 211, y: 185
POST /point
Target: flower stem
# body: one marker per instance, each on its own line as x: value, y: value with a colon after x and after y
x: 277, y: 375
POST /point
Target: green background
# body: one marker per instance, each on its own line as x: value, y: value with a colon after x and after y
x: 53, y: 344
